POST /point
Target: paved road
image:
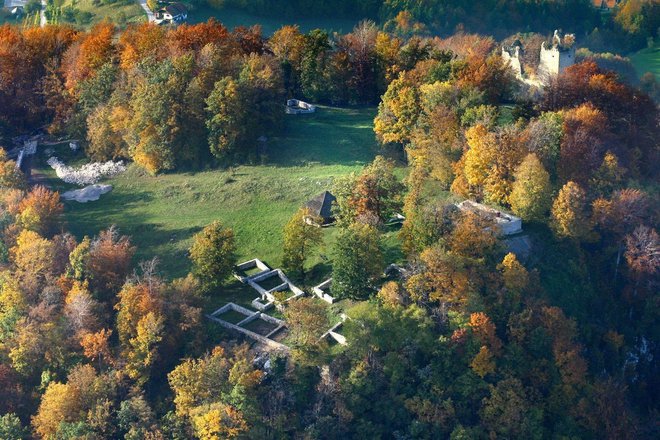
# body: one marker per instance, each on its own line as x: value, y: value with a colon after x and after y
x: 42, y: 18
x: 150, y: 15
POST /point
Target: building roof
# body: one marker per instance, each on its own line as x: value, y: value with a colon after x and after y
x: 321, y: 205
x: 176, y: 9
x: 605, y: 4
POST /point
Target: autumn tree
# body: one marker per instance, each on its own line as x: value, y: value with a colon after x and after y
x: 10, y: 175
x: 491, y: 160
x: 397, y: 113
x: 485, y: 332
x: 96, y: 346
x: 307, y: 320
x: 377, y: 192
x: 33, y: 257
x: 473, y: 236
x: 81, y: 309
x: 104, y: 141
x: 215, y: 392
x: 70, y: 402
x: 391, y: 294
x: 483, y: 362
x: 514, y: 274
x: 213, y: 254
x: 507, y: 410
x: 609, y: 176
x: 301, y: 236
x: 40, y: 211
x: 582, y: 144
x: 225, y: 107
x: 619, y: 215
x: 287, y: 44
x: 444, y: 279
x: 643, y: 251
x: 569, y: 212
x: 357, y: 261
x: 142, y: 350
x: 108, y: 262
x: 531, y: 192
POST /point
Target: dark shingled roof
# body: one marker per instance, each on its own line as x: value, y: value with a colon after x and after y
x: 176, y: 9
x: 321, y: 205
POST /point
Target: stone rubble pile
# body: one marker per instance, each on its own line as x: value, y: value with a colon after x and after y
x: 87, y: 174
x: 88, y: 193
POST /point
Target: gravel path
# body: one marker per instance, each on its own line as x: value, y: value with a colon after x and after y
x: 150, y: 15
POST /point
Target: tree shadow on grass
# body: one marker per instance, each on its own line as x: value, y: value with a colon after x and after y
x: 151, y: 239
x: 332, y: 136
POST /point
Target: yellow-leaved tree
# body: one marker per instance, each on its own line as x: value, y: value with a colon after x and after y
x: 531, y: 193
x: 569, y: 212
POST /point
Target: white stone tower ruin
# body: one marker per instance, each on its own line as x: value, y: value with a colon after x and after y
x: 557, y: 57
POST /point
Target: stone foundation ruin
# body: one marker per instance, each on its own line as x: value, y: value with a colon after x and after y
x: 322, y: 289
x: 333, y: 332
x: 507, y: 224
x: 297, y: 107
x: 261, y: 274
x: 268, y: 338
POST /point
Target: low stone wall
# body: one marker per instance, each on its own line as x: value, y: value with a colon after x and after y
x: 333, y: 333
x: 247, y: 265
x: 262, y: 306
x: 320, y: 291
x: 249, y: 317
x: 506, y: 223
x: 257, y: 337
x: 268, y: 294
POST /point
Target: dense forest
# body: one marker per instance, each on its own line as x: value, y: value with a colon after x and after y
x: 627, y: 29
x: 474, y: 340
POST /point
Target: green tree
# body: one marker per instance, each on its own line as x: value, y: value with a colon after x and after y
x: 213, y: 254
x: 531, y: 194
x: 300, y: 237
x: 11, y: 428
x: 357, y: 262
x: 225, y: 108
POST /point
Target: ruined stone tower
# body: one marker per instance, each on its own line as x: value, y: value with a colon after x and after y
x: 511, y: 55
x: 557, y: 57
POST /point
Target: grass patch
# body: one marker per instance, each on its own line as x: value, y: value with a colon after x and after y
x: 260, y: 326
x: 647, y: 60
x: 281, y: 335
x: 86, y: 13
x: 162, y: 213
x: 269, y: 22
x: 270, y: 282
x: 232, y: 316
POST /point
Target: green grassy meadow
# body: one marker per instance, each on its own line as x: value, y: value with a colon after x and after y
x: 269, y: 22
x: 161, y: 213
x: 121, y: 12
x: 647, y: 60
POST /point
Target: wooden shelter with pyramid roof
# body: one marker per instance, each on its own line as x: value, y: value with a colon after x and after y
x: 321, y: 208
